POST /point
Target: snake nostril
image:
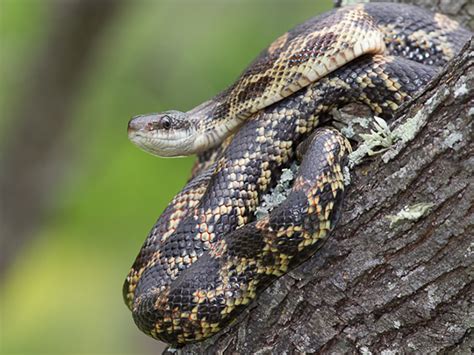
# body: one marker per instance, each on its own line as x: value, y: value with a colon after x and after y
x: 150, y: 126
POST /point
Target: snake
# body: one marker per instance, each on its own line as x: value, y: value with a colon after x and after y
x: 208, y: 256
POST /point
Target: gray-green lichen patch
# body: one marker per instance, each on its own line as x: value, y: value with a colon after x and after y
x: 352, y: 123
x: 411, y: 213
x: 346, y: 174
x: 278, y: 194
x: 451, y: 136
x: 452, y: 139
x: 407, y: 131
x: 365, y: 350
x: 380, y: 139
x: 351, y: 128
x: 461, y: 90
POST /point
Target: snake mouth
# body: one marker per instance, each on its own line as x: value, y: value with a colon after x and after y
x: 137, y: 135
x: 162, y: 145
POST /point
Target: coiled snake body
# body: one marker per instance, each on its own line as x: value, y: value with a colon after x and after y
x: 207, y: 257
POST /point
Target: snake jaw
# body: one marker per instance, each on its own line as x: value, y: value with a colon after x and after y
x: 166, y: 134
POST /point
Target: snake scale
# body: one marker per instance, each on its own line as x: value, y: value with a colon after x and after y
x: 207, y: 257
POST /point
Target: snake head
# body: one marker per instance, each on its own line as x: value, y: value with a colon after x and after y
x: 166, y: 134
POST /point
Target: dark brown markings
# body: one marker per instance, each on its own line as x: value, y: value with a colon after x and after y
x: 262, y: 63
x: 315, y: 47
x: 266, y: 59
x: 255, y: 89
x: 221, y: 110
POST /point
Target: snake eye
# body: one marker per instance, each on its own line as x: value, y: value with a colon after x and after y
x: 166, y: 122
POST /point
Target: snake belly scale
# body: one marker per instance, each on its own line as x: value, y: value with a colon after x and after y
x: 206, y: 258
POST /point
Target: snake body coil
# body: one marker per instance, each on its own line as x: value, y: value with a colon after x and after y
x: 206, y: 257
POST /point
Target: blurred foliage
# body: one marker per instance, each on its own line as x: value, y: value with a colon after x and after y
x: 63, y: 292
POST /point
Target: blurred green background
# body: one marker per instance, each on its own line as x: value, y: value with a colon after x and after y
x: 65, y: 261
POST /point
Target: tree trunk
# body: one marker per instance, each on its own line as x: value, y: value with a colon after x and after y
x: 393, y: 277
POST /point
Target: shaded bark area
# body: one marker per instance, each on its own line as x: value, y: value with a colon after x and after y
x: 33, y: 162
x: 377, y: 286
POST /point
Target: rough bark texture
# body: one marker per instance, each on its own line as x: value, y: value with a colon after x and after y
x: 377, y: 286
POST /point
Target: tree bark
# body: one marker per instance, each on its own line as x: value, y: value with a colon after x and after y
x: 385, y: 284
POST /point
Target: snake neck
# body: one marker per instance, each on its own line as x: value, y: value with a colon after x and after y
x: 213, y: 122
